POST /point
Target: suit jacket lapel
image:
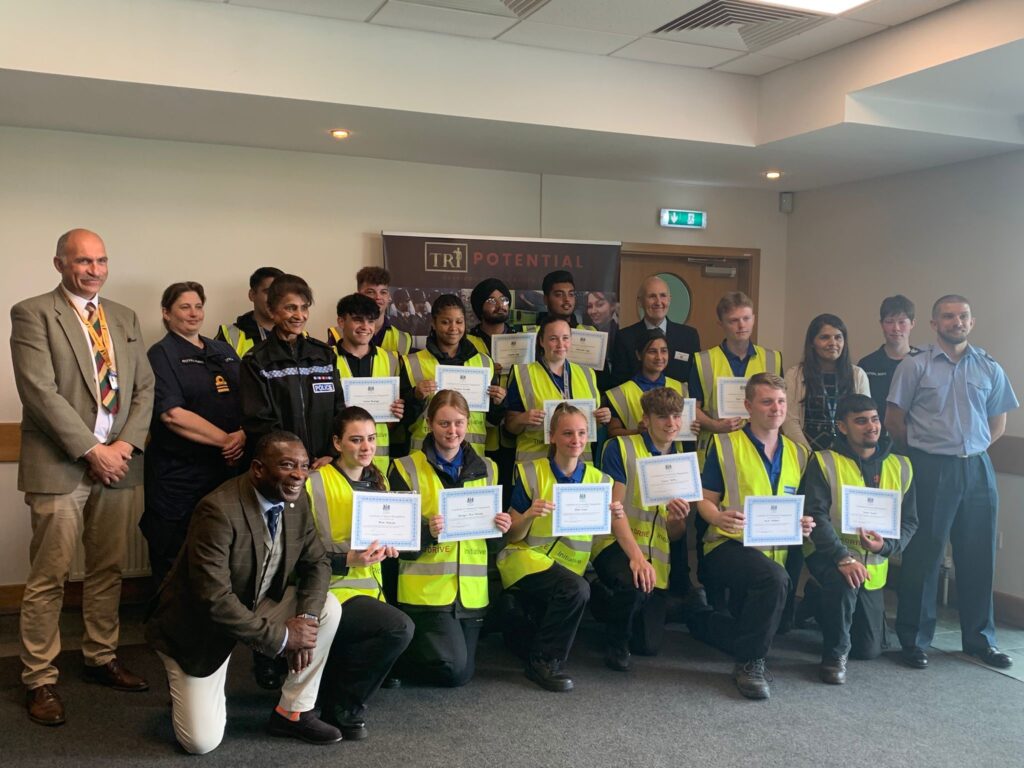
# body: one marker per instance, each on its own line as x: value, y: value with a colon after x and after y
x: 254, y: 519
x: 72, y: 325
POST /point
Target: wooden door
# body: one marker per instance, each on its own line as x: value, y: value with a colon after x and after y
x: 698, y: 278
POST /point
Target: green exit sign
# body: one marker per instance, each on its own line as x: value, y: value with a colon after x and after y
x: 671, y: 217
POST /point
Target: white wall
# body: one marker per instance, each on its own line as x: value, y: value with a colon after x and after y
x: 955, y: 229
x: 172, y: 211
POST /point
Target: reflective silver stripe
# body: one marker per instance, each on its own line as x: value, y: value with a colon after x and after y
x: 476, y: 437
x: 729, y: 471
x: 394, y: 366
x: 832, y: 475
x: 905, y: 472
x: 410, y: 469
x: 529, y: 456
x: 383, y: 450
x: 416, y: 442
x: 769, y: 362
x: 323, y: 515
x: 591, y: 385
x: 475, y: 571
x: 234, y: 334
x: 707, y: 380
x: 529, y: 470
x: 657, y: 554
x: 491, y: 479
x: 546, y: 541
x: 523, y: 378
x: 346, y: 583
x: 413, y: 568
x: 415, y: 367
x: 618, y: 399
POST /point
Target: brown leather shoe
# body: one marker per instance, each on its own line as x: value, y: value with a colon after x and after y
x: 115, y: 675
x: 45, y: 706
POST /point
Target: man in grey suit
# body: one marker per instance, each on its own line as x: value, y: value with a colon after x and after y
x: 231, y: 584
x: 86, y: 389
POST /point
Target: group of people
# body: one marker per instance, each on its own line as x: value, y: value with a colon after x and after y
x: 253, y: 457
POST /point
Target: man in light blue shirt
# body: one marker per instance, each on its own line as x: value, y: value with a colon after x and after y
x: 947, y: 405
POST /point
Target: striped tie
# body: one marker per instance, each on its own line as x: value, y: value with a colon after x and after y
x: 108, y: 395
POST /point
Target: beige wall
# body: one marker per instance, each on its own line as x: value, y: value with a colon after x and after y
x: 955, y: 229
x: 172, y: 211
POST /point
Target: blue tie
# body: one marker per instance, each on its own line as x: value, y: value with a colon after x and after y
x: 273, y: 518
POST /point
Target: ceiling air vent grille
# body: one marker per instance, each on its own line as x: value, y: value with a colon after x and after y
x: 523, y: 8
x: 757, y: 25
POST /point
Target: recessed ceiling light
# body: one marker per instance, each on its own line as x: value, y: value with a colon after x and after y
x: 818, y: 6
x: 339, y: 133
x: 773, y: 175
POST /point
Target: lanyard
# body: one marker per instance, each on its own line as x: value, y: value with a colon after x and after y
x: 566, y: 379
x: 100, y: 341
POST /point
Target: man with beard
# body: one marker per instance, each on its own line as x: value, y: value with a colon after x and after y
x: 852, y: 567
x: 947, y: 405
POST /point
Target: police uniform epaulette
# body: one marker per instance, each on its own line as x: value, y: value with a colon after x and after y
x: 914, y: 352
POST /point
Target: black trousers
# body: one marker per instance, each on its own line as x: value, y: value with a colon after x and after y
x: 852, y: 620
x: 164, y: 539
x: 758, y: 590
x: 957, y: 501
x: 371, y: 635
x: 560, y: 597
x: 632, y: 617
x: 443, y: 649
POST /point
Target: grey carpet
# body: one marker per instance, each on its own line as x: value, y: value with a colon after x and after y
x: 677, y: 709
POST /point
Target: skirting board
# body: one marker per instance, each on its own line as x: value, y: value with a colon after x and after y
x: 134, y: 591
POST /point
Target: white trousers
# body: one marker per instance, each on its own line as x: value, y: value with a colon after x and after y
x: 198, y: 704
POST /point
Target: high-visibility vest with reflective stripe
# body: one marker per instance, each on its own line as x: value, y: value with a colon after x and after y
x: 330, y: 501
x: 745, y: 475
x: 238, y: 340
x: 384, y: 364
x: 625, y: 401
x: 540, y: 548
x: 712, y: 364
x: 421, y: 367
x: 535, y: 386
x: 444, y: 571
x: 394, y: 340
x: 648, y: 524
x: 841, y: 470
x: 493, y: 432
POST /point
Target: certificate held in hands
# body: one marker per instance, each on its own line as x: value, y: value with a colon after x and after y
x: 469, y: 381
x: 872, y: 509
x: 375, y: 395
x: 508, y: 349
x: 469, y: 513
x: 772, y: 521
x: 732, y: 393
x: 581, y: 509
x: 672, y: 476
x: 588, y: 348
x: 393, y: 519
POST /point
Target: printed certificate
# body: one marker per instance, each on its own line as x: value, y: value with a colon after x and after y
x: 508, y: 349
x: 375, y: 395
x: 587, y: 406
x: 773, y: 521
x: 731, y: 396
x: 393, y: 519
x: 663, y: 478
x: 588, y: 348
x: 581, y: 509
x: 689, y: 416
x: 470, y: 382
x: 872, y: 509
x: 469, y: 513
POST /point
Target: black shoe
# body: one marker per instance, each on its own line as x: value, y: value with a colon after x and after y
x: 752, y: 678
x: 993, y: 657
x: 833, y: 671
x: 616, y: 657
x: 269, y: 673
x: 308, y: 728
x: 915, y: 657
x: 391, y: 682
x: 352, y: 726
x: 548, y: 674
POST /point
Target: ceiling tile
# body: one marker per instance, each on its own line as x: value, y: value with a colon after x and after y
x: 831, y: 34
x: 350, y: 10
x: 625, y: 17
x: 565, y: 38
x: 680, y: 54
x: 893, y: 12
x: 493, y: 7
x: 447, y: 21
x: 753, y: 64
x: 726, y: 36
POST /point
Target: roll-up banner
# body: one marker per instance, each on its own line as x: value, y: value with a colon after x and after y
x: 424, y: 266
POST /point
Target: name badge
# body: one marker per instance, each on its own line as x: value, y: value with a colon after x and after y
x: 112, y: 378
x: 321, y: 387
x: 683, y: 356
x: 789, y: 489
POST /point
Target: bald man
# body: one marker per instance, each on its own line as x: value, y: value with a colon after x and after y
x: 683, y: 341
x: 86, y: 389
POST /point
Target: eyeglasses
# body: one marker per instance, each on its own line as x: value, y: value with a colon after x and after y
x: 493, y: 302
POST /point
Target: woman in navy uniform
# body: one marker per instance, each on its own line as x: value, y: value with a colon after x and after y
x: 196, y: 440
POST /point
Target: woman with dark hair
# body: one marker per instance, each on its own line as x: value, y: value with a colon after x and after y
x: 814, y: 387
x: 371, y: 634
x: 447, y: 345
x: 196, y: 440
x: 444, y: 587
x: 602, y: 312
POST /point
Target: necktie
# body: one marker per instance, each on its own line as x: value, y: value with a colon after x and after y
x: 273, y: 519
x: 108, y: 395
